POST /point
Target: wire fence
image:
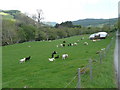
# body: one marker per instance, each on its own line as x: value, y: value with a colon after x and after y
x: 78, y: 78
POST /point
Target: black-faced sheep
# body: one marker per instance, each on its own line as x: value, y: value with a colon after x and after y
x: 54, y: 52
x: 27, y: 58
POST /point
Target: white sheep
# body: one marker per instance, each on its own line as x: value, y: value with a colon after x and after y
x: 61, y: 45
x: 57, y: 46
x: 75, y: 44
x: 51, y: 59
x: 64, y: 56
x: 102, y: 49
x: 85, y: 43
x: 29, y: 46
x: 72, y: 44
x: 94, y: 40
x: 22, y: 60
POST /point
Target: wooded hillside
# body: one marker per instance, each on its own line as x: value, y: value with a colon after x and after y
x: 18, y: 28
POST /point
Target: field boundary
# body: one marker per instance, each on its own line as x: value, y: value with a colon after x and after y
x: 102, y: 55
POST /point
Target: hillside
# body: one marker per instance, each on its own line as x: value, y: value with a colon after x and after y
x: 39, y: 72
x: 17, y: 27
x: 95, y: 22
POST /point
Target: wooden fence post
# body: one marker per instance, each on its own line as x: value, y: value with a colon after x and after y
x: 100, y: 58
x: 90, y: 65
x: 79, y: 78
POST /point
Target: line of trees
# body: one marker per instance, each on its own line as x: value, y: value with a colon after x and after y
x: 24, y: 29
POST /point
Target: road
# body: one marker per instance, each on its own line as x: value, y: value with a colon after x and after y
x: 117, y: 58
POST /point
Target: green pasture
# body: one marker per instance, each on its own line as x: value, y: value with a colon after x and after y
x: 39, y: 72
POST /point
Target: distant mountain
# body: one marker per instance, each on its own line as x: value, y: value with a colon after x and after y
x: 95, y: 22
x: 50, y: 23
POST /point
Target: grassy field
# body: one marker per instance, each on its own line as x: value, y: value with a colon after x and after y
x: 7, y: 16
x: 40, y: 73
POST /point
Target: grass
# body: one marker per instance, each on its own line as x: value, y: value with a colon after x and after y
x: 7, y: 16
x: 2, y: 13
x: 40, y: 73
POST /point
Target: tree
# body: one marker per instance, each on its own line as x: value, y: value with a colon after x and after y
x: 34, y: 17
x: 40, y: 13
x: 8, y: 31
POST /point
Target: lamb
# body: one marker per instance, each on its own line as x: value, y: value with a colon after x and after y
x: 64, y: 56
x: 51, y: 59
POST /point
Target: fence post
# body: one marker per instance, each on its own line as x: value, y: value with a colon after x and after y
x: 90, y: 65
x: 78, y: 77
x: 104, y: 54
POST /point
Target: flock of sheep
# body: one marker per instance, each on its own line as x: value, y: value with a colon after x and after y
x: 64, y: 44
x: 64, y: 56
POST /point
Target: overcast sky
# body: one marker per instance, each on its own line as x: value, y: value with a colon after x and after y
x: 65, y: 10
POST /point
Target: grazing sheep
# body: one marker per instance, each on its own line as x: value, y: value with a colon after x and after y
x: 78, y: 41
x: 57, y: 57
x: 49, y: 41
x: 29, y: 46
x: 94, y: 40
x: 27, y: 58
x: 64, y: 56
x: 102, y: 49
x: 72, y: 44
x: 75, y: 44
x: 82, y: 38
x: 64, y: 41
x: 54, y: 52
x: 51, y: 59
x: 25, y: 86
x: 57, y: 46
x: 61, y: 45
x: 85, y: 43
x: 98, y: 52
x: 22, y: 60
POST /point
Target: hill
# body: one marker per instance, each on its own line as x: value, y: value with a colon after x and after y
x: 17, y: 27
x: 40, y: 73
x: 95, y: 22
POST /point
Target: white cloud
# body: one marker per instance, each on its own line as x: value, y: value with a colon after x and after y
x: 62, y: 10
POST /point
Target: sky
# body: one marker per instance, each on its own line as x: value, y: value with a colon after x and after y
x: 65, y: 10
